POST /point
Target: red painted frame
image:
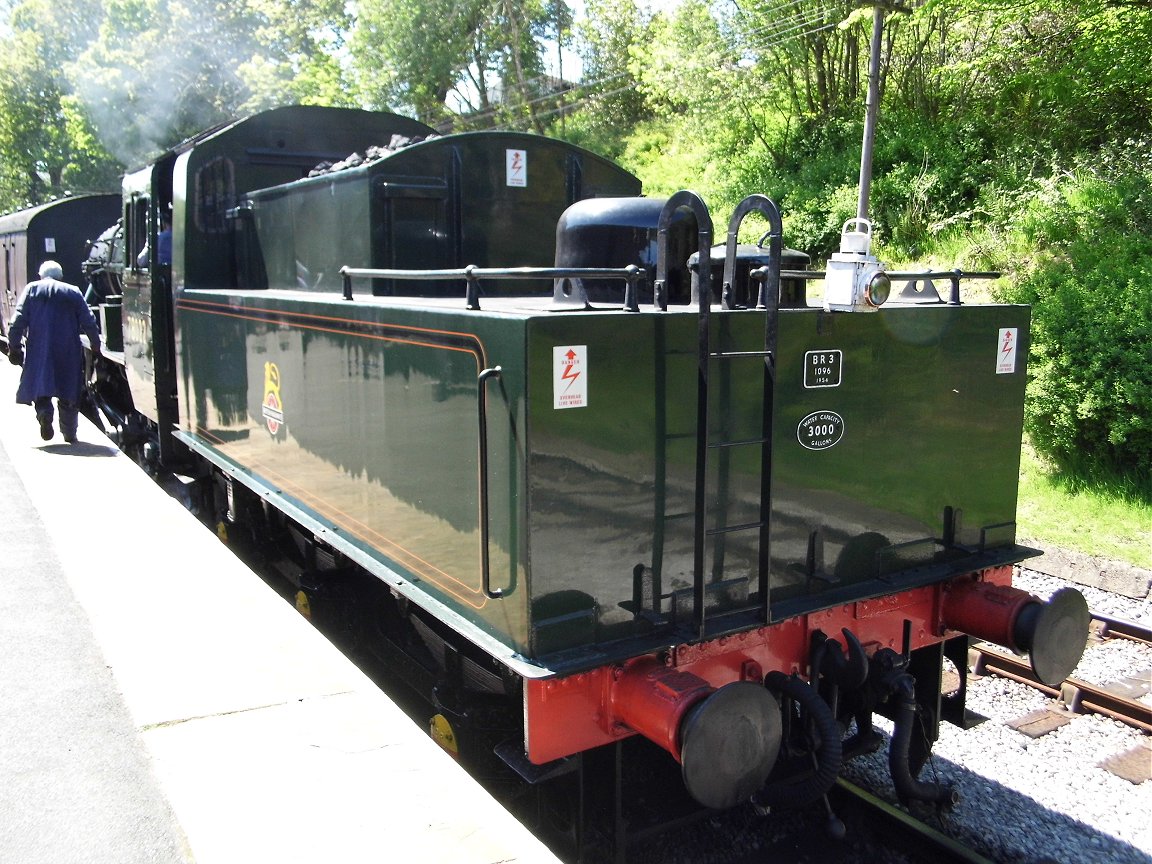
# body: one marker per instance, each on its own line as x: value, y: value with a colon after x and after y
x: 564, y: 716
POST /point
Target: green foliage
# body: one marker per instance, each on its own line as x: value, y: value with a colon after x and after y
x: 683, y: 66
x: 298, y: 61
x: 1075, y: 75
x: 416, y: 64
x: 1090, y: 398
x: 90, y: 166
x: 159, y: 71
x: 1098, y: 513
x: 92, y: 85
x: 811, y: 57
x: 46, y: 144
x: 416, y: 54
x: 666, y: 159
x: 609, y: 106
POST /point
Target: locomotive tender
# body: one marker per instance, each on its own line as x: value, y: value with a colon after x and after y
x: 623, y: 493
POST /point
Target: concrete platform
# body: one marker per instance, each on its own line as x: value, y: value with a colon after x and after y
x: 160, y: 704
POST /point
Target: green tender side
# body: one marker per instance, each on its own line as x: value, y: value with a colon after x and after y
x: 362, y: 416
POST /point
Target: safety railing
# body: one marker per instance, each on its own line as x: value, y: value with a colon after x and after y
x: 912, y: 292
x: 472, y: 277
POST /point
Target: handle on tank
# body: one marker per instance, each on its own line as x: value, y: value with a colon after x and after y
x: 770, y: 287
x: 485, y: 569
x: 689, y: 199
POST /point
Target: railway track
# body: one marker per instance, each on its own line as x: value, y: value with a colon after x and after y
x: 902, y: 832
x: 1107, y: 627
x: 877, y: 829
x: 856, y: 827
x: 1076, y: 695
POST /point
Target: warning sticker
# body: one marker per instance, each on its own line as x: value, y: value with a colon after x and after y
x: 570, y: 376
x: 516, y: 163
x: 1006, y: 352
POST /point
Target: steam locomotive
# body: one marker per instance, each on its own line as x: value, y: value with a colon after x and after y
x: 627, y: 484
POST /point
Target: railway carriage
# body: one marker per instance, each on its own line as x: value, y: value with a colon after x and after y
x: 617, y: 480
x: 61, y: 230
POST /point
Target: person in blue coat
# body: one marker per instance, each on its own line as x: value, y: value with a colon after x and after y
x: 52, y: 314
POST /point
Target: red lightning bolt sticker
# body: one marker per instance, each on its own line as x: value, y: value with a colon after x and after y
x: 516, y: 167
x: 570, y: 376
x: 1006, y: 353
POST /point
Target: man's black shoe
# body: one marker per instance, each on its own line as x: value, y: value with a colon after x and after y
x: 46, y: 431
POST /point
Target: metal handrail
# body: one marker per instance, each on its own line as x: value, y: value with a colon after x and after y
x: 630, y: 274
x: 953, y: 276
x: 472, y: 275
x: 482, y: 411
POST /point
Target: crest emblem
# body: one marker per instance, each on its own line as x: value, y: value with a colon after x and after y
x: 272, y: 408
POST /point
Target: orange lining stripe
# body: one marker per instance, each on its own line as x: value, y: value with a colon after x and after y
x: 364, y: 533
x: 414, y: 561
x: 207, y: 308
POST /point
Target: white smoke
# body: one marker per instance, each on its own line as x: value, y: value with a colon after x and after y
x: 149, y: 84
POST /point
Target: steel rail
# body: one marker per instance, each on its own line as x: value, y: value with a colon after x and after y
x: 1080, y: 697
x: 905, y: 831
x: 1107, y: 627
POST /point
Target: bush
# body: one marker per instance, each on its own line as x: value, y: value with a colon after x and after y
x: 1089, y: 282
x: 919, y: 188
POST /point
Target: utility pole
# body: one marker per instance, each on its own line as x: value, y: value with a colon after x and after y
x: 560, y: 61
x: 871, y: 112
x: 855, y: 280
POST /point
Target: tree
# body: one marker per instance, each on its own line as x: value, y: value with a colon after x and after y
x: 46, y: 143
x: 1052, y: 73
x: 814, y: 54
x: 410, y: 54
x: 92, y: 85
x: 513, y: 34
x: 159, y: 71
x: 483, y: 56
x: 297, y: 54
x: 1085, y: 269
x: 607, y: 105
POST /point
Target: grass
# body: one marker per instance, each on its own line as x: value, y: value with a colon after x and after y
x: 1105, y: 518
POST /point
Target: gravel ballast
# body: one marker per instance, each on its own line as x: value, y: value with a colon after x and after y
x: 1026, y: 800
